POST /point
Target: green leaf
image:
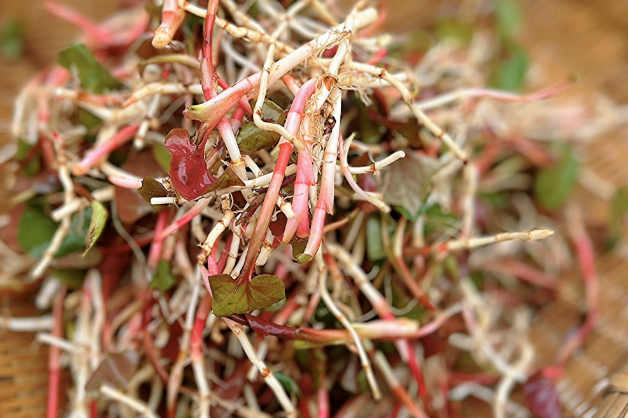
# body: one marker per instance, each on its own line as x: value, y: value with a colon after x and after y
x: 510, y: 73
x: 369, y: 131
x: 298, y: 246
x: 554, y: 184
x: 496, y: 200
x: 72, y: 278
x: 252, y: 139
x: 32, y: 167
x: 228, y: 179
x: 273, y: 113
x: 36, y: 230
x: 406, y: 183
x: 96, y: 226
x: 163, y: 279
x: 94, y: 77
x: 152, y: 188
x: 23, y: 149
x: 12, y: 40
x: 454, y: 29
x: 162, y: 156
x: 374, y: 244
x: 416, y: 42
x: 259, y: 293
x: 288, y: 383
x: 88, y: 119
x: 436, y: 219
x: 303, y: 258
x: 507, y: 18
x: 618, y: 213
x: 191, y: 23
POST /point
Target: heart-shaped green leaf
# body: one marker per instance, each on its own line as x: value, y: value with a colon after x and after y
x: 259, y: 293
x: 96, y: 226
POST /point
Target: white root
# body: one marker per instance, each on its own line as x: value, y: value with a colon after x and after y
x: 265, y: 372
x: 133, y: 403
x: 364, y: 360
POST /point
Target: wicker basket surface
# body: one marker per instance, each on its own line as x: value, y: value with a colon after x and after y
x: 587, y: 37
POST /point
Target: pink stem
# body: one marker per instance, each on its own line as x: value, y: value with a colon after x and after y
x: 409, y: 281
x: 101, y: 35
x: 54, y: 380
x: 586, y: 258
x: 375, y: 26
x: 154, y: 255
x: 326, y: 196
x: 377, y: 57
x: 123, y: 136
x: 243, y: 104
x: 196, y: 339
x: 182, y: 221
x: 171, y: 18
x: 415, y: 368
x: 213, y: 110
x: 72, y: 16
x: 292, y: 126
x: 523, y: 272
x: 323, y: 402
x: 126, y: 183
x: 291, y: 83
x: 304, y: 179
x: 208, y: 77
x: 267, y: 210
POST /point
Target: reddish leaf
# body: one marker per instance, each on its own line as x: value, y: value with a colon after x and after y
x: 259, y: 293
x: 188, y: 171
x: 542, y: 397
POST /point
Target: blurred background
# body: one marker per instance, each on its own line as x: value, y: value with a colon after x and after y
x: 587, y: 38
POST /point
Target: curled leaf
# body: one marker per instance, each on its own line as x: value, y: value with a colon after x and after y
x: 96, y: 226
x: 229, y: 298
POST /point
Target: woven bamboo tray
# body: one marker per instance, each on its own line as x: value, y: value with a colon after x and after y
x: 585, y: 37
